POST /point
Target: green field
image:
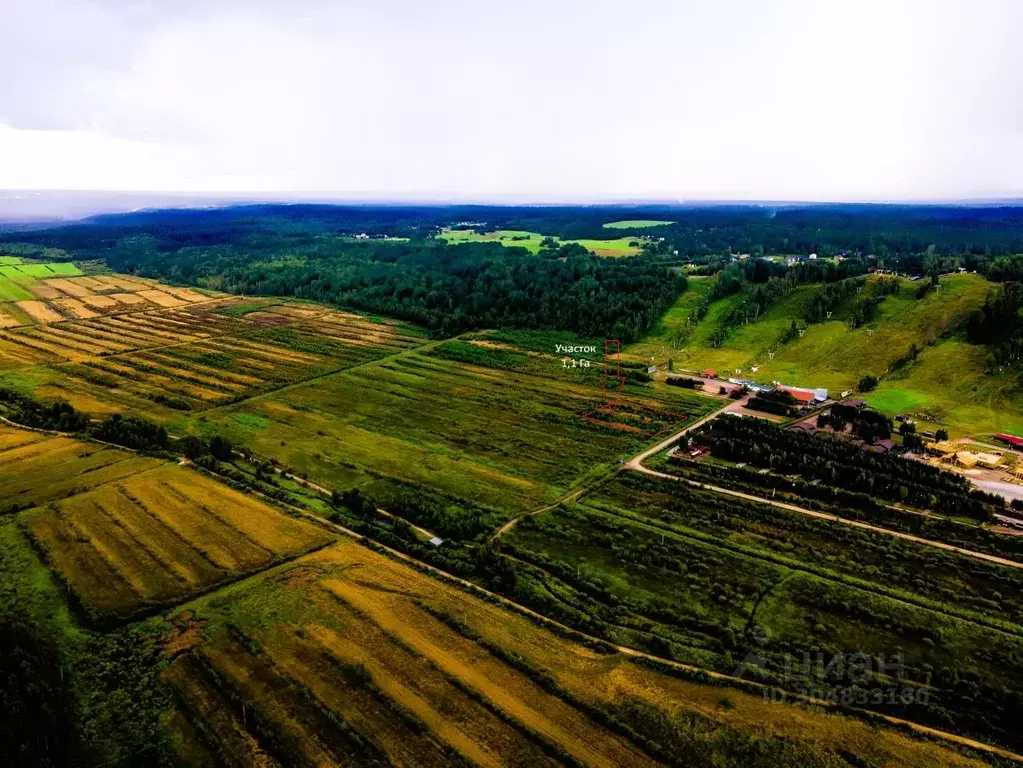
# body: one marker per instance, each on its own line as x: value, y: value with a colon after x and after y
x: 621, y: 246
x: 6, y: 260
x: 10, y: 290
x: 637, y: 224
x: 657, y: 345
x: 62, y: 269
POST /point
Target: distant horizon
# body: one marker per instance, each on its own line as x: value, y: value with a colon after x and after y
x: 56, y: 205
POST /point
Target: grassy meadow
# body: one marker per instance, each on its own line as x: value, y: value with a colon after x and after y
x: 946, y: 386
x: 501, y: 428
x: 636, y: 224
x: 531, y: 241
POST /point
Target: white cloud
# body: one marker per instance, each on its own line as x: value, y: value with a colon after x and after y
x: 525, y: 100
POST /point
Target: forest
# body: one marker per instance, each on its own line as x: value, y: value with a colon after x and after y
x: 447, y: 288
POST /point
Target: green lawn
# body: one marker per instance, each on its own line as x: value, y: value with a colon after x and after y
x: 637, y: 224
x: 10, y: 260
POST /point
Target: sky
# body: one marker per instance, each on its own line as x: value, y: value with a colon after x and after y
x: 524, y: 101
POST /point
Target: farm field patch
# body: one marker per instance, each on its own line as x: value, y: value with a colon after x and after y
x: 363, y: 658
x: 504, y: 430
x: 11, y: 290
x: 40, y: 311
x: 189, y: 358
x: 159, y: 535
x: 37, y: 469
x: 49, y: 287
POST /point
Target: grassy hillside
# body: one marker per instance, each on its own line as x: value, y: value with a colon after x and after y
x: 946, y: 384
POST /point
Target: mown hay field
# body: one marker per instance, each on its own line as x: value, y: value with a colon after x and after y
x: 56, y: 292
x: 190, y: 358
x: 37, y: 469
x: 161, y: 535
x: 365, y: 660
x: 509, y: 432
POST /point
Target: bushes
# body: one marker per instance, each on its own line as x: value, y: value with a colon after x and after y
x: 867, y: 383
x: 683, y: 381
x: 59, y: 416
x: 778, y: 402
x: 131, y: 432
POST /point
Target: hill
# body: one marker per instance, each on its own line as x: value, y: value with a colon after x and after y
x: 947, y: 382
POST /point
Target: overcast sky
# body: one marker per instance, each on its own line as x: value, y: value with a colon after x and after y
x: 511, y: 100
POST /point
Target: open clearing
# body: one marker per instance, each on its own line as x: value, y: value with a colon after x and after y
x: 159, y: 535
x: 697, y: 569
x: 365, y: 658
x: 622, y: 246
x: 636, y: 224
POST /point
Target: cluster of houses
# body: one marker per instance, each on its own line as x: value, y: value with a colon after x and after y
x: 799, y: 394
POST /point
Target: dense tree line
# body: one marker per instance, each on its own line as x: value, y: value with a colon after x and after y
x: 846, y: 466
x: 757, y: 298
x: 59, y: 415
x: 831, y: 296
x: 865, y: 309
x: 867, y: 424
x: 997, y: 323
x: 684, y: 381
x: 916, y: 239
x: 36, y: 728
x: 778, y: 402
